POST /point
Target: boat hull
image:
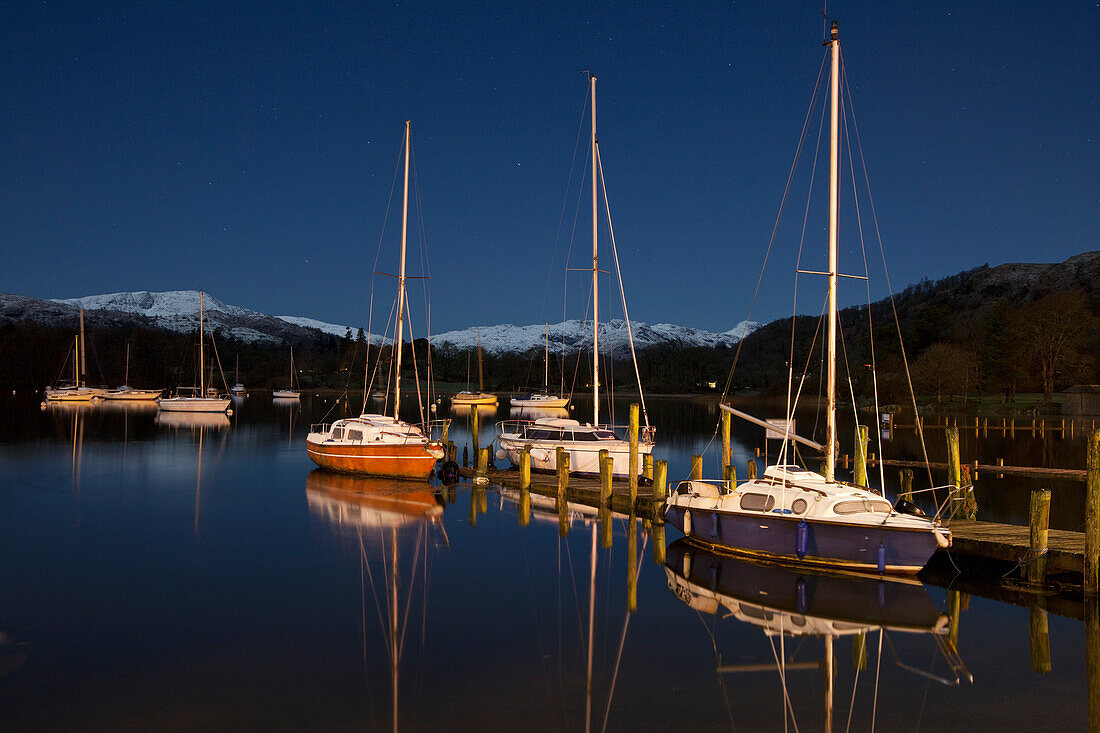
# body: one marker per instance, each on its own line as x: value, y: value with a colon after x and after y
x: 286, y: 394
x: 409, y: 461
x: 194, y: 404
x: 547, y: 404
x: 133, y: 395
x: 487, y: 399
x: 829, y: 544
x: 82, y: 394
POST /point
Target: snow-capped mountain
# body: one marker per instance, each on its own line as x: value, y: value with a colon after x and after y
x: 578, y: 335
x: 177, y: 310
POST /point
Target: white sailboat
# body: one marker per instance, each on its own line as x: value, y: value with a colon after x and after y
x: 374, y: 444
x: 128, y: 393
x: 291, y: 391
x: 196, y: 399
x: 796, y: 514
x: 466, y: 398
x: 77, y: 389
x: 543, y: 399
x: 583, y: 442
x: 238, y: 390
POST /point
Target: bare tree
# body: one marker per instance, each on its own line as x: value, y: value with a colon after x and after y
x: 1053, y: 331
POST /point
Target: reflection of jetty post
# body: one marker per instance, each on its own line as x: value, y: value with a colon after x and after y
x: 658, y: 528
x: 525, y: 468
x: 632, y: 563
x: 1092, y: 658
x: 524, y: 507
x: 1039, y: 638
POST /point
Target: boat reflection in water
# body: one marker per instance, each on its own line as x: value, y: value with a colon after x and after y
x: 790, y: 602
x: 384, y: 515
x: 483, y: 411
x: 534, y: 413
x: 206, y: 420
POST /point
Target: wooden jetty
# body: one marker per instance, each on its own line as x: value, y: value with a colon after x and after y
x: 1065, y: 551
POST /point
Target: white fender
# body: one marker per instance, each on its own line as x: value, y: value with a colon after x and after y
x: 687, y: 522
x: 540, y: 455
x: 941, y: 539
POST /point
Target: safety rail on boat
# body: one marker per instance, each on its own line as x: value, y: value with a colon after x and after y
x: 429, y: 429
x: 646, y: 434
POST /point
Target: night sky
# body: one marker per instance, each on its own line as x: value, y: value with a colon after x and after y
x: 249, y: 149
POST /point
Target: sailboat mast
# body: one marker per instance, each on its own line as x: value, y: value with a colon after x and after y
x: 202, y: 356
x: 834, y: 154
x: 595, y: 273
x: 546, y: 363
x: 401, y: 276
x: 480, y: 375
x: 83, y: 359
x: 126, y: 379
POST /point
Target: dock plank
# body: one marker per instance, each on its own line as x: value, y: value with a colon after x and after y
x: 1012, y: 543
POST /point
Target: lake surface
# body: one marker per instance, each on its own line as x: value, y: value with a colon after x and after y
x: 171, y: 574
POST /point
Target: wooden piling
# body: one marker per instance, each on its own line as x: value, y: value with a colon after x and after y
x: 465, y: 456
x: 563, y: 516
x: 954, y: 469
x: 859, y: 477
x: 1040, y: 523
x: 1092, y: 515
x: 632, y: 563
x: 607, y: 466
x: 752, y: 470
x: 475, y: 430
x: 696, y: 467
x: 905, y: 477
x: 726, y: 456
x: 483, y: 462
x: 525, y: 468
x: 660, y: 476
x: 562, y: 465
x: 730, y: 477
x: 1039, y: 640
x: 633, y: 465
x: 647, y: 465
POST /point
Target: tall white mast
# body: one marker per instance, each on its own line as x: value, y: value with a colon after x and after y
x: 546, y: 363
x: 595, y: 272
x: 202, y: 356
x: 83, y: 366
x: 834, y: 152
x: 401, y: 276
x: 126, y: 379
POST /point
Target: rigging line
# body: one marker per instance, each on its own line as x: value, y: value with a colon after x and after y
x: 845, y: 109
x: 855, y: 686
x: 370, y: 577
x: 788, y: 707
x: 775, y: 226
x: 878, y: 668
x: 622, y: 638
x: 622, y: 292
x: 416, y: 371
x: 564, y: 204
x: 408, y: 601
x: 576, y: 595
x: 798, y: 259
x: 890, y: 290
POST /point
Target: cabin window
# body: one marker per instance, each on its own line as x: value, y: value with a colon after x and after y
x: 585, y: 436
x: 757, y: 612
x: 337, y: 433
x: 798, y: 506
x: 857, y: 506
x: 757, y: 502
x: 355, y: 435
x: 605, y: 435
x: 544, y: 435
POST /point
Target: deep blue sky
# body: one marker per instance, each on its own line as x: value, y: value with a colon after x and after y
x: 248, y: 148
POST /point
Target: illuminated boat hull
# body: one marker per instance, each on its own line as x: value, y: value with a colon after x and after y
x: 410, y: 461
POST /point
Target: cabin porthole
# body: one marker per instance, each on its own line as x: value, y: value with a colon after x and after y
x: 798, y: 506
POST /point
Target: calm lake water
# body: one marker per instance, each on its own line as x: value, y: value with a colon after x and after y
x: 179, y: 575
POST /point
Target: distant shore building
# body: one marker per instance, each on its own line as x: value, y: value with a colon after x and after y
x: 1082, y: 399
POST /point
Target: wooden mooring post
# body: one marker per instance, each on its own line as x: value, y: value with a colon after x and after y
x: 660, y: 479
x: 905, y: 480
x: 859, y: 476
x: 607, y: 467
x: 482, y: 462
x: 1040, y: 524
x: 633, y: 465
x: 525, y: 468
x: 696, y: 467
x: 475, y: 430
x: 726, y: 457
x: 647, y: 465
x: 561, y: 463
x: 751, y: 470
x: 730, y: 476
x: 1092, y: 515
